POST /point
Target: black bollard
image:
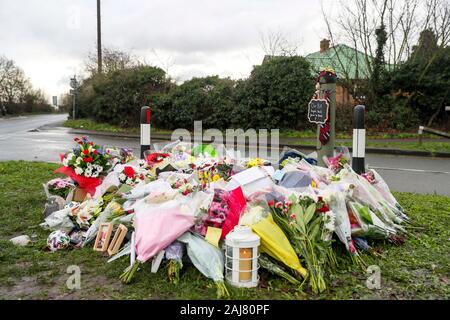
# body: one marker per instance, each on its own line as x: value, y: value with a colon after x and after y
x: 359, y: 140
x: 145, y: 130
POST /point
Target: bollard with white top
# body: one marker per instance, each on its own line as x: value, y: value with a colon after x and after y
x: 359, y: 140
x: 145, y: 130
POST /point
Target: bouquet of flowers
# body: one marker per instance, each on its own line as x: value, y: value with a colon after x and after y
x: 174, y: 255
x: 85, y: 164
x: 336, y: 163
x: 60, y: 187
x: 88, y: 159
x: 304, y: 223
x: 183, y: 186
x: 131, y: 177
x: 207, y: 259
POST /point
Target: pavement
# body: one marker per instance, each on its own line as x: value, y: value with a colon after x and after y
x: 42, y: 138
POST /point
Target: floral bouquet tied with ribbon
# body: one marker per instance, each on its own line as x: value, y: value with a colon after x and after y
x: 86, y: 164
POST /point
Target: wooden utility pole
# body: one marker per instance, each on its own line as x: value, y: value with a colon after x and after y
x: 99, y: 38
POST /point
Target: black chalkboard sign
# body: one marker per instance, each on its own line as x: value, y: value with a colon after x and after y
x: 318, y: 111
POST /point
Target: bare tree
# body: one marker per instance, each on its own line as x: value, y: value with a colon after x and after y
x: 358, y: 20
x: 13, y: 83
x: 113, y: 60
x: 275, y: 43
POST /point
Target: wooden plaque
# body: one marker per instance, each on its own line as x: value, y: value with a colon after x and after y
x: 103, y: 237
x: 117, y: 240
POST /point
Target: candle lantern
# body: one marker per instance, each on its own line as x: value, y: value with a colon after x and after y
x: 241, y: 255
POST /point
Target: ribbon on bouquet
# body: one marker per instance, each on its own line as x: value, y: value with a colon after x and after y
x: 88, y: 184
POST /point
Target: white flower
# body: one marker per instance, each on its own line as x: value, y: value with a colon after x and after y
x: 129, y: 181
x: 88, y: 171
x: 122, y: 177
x: 78, y: 170
x: 70, y: 156
x: 65, y: 162
x: 79, y: 159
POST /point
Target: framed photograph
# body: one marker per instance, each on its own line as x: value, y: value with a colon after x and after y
x: 117, y: 240
x: 103, y: 237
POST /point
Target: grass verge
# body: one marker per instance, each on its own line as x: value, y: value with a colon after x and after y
x: 419, y: 269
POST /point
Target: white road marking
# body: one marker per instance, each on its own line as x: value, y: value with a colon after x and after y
x: 410, y: 170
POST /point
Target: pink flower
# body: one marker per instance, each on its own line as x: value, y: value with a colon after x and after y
x: 293, y: 216
x: 278, y: 205
x: 287, y: 203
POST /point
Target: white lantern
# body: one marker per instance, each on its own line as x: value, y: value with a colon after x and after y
x: 241, y: 257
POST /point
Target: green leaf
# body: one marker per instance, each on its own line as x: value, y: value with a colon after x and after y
x: 309, y: 213
x: 365, y: 215
x: 301, y: 224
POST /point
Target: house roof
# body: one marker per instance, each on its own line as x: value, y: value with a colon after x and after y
x: 346, y: 61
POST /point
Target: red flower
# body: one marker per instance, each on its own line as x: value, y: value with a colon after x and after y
x: 91, y: 143
x: 129, y: 171
x: 95, y: 151
x: 271, y: 203
x: 156, y: 157
x: 324, y: 208
x: 87, y: 159
x: 86, y: 151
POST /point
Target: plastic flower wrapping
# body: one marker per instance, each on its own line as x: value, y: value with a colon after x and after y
x: 184, y: 199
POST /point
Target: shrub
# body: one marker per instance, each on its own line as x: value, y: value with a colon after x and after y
x: 117, y: 97
x: 276, y: 95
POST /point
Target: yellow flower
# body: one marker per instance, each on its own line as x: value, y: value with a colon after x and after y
x: 313, y: 184
x: 254, y: 162
x: 216, y: 177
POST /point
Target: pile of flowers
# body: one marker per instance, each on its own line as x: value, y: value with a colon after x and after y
x: 174, y: 198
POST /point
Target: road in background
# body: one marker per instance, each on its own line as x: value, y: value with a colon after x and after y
x: 42, y: 138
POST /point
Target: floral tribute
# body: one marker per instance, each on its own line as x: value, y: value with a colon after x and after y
x: 86, y: 164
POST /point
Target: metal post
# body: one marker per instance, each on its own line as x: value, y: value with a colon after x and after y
x: 359, y: 140
x: 73, y: 110
x: 327, y: 84
x: 145, y: 130
x: 420, y: 133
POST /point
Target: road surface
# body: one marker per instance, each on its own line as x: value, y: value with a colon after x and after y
x: 42, y: 138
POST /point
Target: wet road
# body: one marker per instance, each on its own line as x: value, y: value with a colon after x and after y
x: 41, y: 138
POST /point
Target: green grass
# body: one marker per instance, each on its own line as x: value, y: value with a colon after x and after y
x: 88, y: 124
x: 419, y: 269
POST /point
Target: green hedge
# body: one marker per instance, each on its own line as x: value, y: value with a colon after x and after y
x: 275, y: 96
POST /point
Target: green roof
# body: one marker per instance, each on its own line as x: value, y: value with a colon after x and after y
x: 346, y: 61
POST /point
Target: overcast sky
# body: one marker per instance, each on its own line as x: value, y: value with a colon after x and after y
x: 49, y: 39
